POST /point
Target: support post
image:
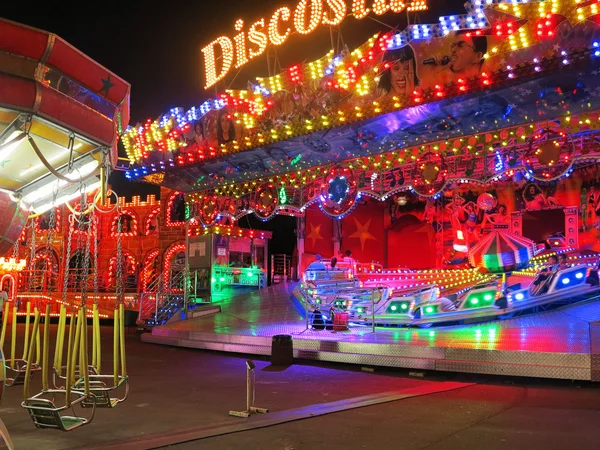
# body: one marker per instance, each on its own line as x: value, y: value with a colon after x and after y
x: 156, y: 306
x: 373, y: 310
x: 250, y: 388
x: 300, y: 224
x: 186, y: 273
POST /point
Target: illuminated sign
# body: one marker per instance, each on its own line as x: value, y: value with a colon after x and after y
x: 304, y: 19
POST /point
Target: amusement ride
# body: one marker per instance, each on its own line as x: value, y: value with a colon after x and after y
x: 60, y: 117
x: 440, y: 175
x: 455, y: 161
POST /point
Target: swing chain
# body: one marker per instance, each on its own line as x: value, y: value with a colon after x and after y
x: 15, y: 253
x: 31, y: 255
x: 120, y: 262
x: 51, y: 231
x: 95, y: 261
x: 67, y: 262
x: 86, y: 260
x: 83, y: 222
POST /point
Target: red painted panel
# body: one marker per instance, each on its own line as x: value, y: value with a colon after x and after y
x: 318, y: 236
x: 411, y: 244
x: 362, y: 232
x: 21, y: 40
x: 17, y: 92
x: 12, y: 221
x: 62, y: 109
x: 86, y: 71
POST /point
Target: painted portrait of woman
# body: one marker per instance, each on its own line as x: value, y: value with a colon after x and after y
x: 400, y: 76
x: 225, y: 127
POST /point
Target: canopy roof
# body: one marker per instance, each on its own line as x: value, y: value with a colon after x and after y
x: 537, y: 71
x: 59, y: 110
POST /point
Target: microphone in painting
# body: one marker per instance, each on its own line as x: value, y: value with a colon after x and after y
x: 432, y: 62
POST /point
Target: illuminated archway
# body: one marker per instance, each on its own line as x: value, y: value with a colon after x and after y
x: 151, y: 222
x: 129, y: 271
x: 174, y: 264
x: 42, y: 223
x: 46, y: 269
x: 151, y: 270
x: 129, y: 223
x: 7, y: 283
x: 175, y: 210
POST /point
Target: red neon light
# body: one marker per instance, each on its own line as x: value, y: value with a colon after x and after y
x: 129, y: 267
x: 168, y: 260
x: 133, y: 227
x: 148, y: 221
x: 56, y: 229
x: 148, y: 262
x: 168, y: 210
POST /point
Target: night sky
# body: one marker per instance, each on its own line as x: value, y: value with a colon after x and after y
x: 156, y: 46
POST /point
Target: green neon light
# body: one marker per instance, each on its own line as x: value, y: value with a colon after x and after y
x: 296, y: 160
x: 282, y: 196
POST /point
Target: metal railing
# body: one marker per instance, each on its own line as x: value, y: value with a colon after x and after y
x: 281, y: 266
x: 51, y: 281
x: 159, y: 303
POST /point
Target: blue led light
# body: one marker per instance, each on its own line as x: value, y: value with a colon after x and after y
x: 565, y: 281
x: 519, y: 296
x: 579, y: 275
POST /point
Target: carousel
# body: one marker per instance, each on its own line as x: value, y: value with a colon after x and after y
x: 442, y: 175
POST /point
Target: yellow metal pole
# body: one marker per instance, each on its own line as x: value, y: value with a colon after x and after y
x: 116, y: 346
x: 83, y: 362
x: 98, y: 342
x: 46, y: 348
x: 103, y: 185
x: 94, y: 347
x: 60, y: 337
x: 27, y: 319
x: 13, y: 343
x: 38, y: 343
x: 36, y: 325
x: 122, y: 340
x: 69, y: 374
x: 4, y: 324
x: 75, y: 355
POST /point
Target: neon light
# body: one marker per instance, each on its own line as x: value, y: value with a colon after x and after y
x: 308, y: 15
x: 282, y: 196
x: 56, y: 229
x: 170, y: 202
x: 129, y: 267
x: 152, y: 215
x: 148, y: 263
x: 132, y: 224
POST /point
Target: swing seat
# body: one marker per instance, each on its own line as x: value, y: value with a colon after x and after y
x: 45, y: 414
x: 16, y: 375
x: 101, y: 391
x: 57, y: 379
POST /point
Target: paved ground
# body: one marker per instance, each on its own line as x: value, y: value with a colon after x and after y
x: 481, y: 416
x: 174, y: 389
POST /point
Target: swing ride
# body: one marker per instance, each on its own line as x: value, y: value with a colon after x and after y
x: 60, y: 116
x: 79, y: 383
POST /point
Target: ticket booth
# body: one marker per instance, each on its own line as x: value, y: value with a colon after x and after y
x: 225, y: 261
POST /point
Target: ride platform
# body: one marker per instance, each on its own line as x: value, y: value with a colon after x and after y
x: 563, y: 343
